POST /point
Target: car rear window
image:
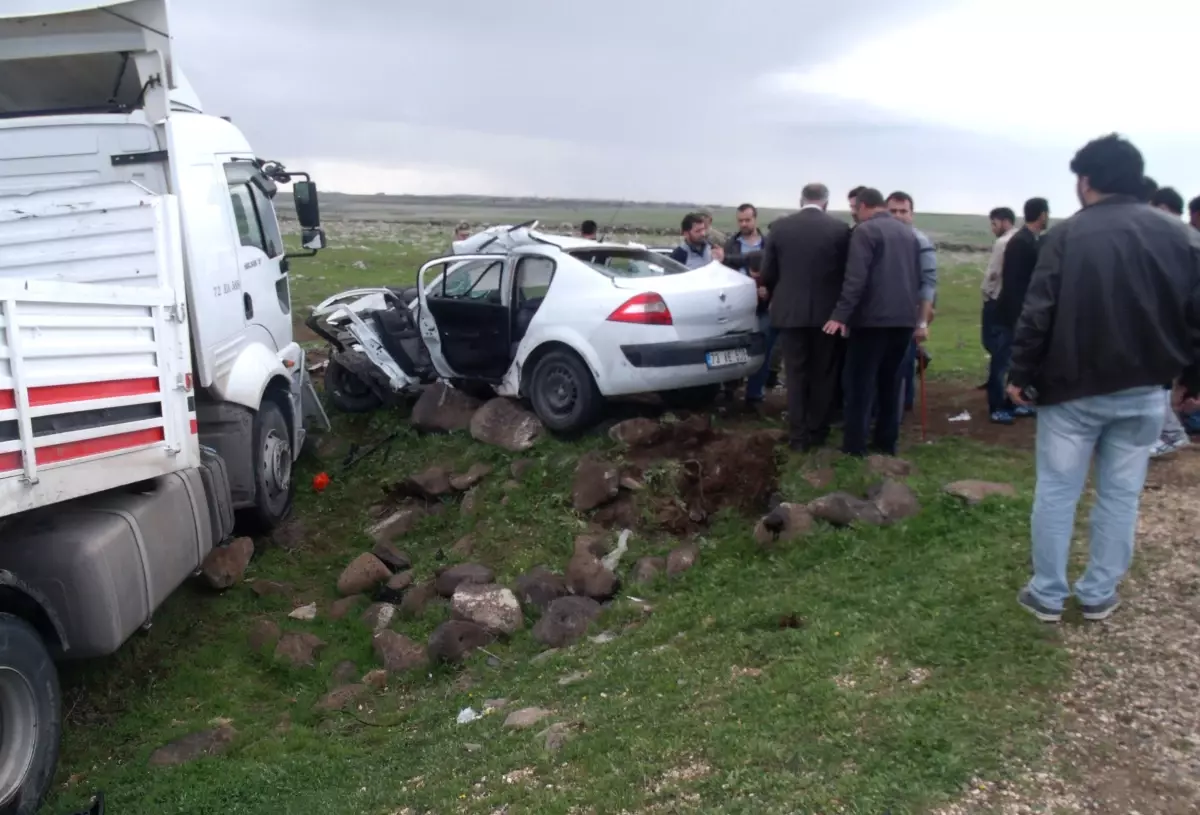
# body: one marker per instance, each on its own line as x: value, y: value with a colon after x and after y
x: 628, y: 262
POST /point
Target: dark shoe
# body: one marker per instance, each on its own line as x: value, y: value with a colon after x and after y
x: 1002, y: 417
x: 1024, y: 411
x: 1027, y: 601
x: 1101, y: 611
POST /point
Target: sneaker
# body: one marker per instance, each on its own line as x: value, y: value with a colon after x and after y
x: 1024, y: 411
x: 1100, y: 611
x: 1002, y: 417
x: 1165, y: 448
x: 1027, y: 601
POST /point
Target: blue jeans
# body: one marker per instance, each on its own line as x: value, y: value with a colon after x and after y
x: 997, y: 341
x: 1118, y: 429
x: 757, y: 383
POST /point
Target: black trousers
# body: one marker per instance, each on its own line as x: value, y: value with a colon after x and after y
x: 873, y: 359
x: 812, y: 365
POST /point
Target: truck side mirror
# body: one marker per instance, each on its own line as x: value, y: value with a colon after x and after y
x: 308, y: 210
x: 313, y: 239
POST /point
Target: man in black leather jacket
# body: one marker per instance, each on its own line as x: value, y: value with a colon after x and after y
x: 1112, y: 314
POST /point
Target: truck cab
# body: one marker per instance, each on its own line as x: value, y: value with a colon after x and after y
x: 151, y: 391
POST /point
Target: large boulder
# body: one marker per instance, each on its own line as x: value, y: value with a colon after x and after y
x: 783, y: 524
x: 539, y: 587
x: 844, y: 509
x: 895, y: 500
x: 491, y: 607
x: 596, y: 483
x: 588, y: 576
x: 682, y: 558
x: 450, y: 579
x: 397, y: 653
x: 299, y: 649
x: 453, y: 640
x: 639, y: 432
x: 395, y: 559
x: 474, y: 474
x: 225, y: 565
x: 417, y: 599
x: 566, y: 621
x: 443, y: 409
x: 363, y: 574
x: 430, y: 484
x: 504, y: 423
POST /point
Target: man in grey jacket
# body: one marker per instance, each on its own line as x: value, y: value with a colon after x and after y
x: 878, y: 311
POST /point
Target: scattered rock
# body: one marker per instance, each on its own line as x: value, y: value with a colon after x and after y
x: 784, y: 523
x: 340, y: 697
x: 587, y: 576
x: 682, y: 558
x: 393, y: 590
x: 504, y: 423
x: 539, y: 587
x: 340, y: 608
x: 377, y: 679
x: 647, y: 570
x: 397, y: 524
x: 556, y: 736
x: 363, y: 574
x: 491, y: 607
x: 495, y: 704
x: 639, y: 432
x: 821, y: 477
x: 844, y: 509
x: 344, y: 673
x: 539, y: 658
x: 359, y: 264
x: 212, y: 742
x: 470, y: 747
x: 631, y: 484
x: 397, y: 653
x: 511, y: 485
x: 271, y: 588
x: 225, y: 565
x: 596, y: 483
x: 888, y: 466
x: 973, y: 491
x: 397, y: 560
x: 566, y: 621
x: 443, y: 409
x: 289, y: 536
x: 603, y: 638
x: 453, y: 640
x: 379, y: 616
x: 895, y: 500
x: 306, y: 612
x: 299, y: 649
x: 263, y: 635
x: 526, y: 717
x: 521, y: 468
x: 571, y: 679
x: 463, y: 547
x: 470, y: 502
x: 591, y: 543
x: 474, y: 474
x: 417, y: 598
x: 451, y: 578
x: 429, y: 484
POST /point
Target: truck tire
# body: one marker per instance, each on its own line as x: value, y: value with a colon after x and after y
x: 274, y: 485
x: 31, y: 711
x: 347, y: 391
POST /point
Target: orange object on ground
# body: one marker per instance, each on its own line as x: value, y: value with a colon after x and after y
x: 320, y: 481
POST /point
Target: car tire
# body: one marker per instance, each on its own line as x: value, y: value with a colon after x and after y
x: 274, y: 482
x: 347, y: 392
x: 31, y: 707
x: 564, y: 393
x: 696, y: 398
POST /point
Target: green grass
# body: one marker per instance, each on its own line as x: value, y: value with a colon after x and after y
x: 911, y: 671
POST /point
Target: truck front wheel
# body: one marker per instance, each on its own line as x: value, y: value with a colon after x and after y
x: 273, y: 483
x: 30, y: 711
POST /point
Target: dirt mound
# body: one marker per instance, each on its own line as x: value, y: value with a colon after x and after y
x: 737, y: 472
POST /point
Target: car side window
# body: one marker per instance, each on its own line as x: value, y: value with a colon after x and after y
x: 478, y: 280
x: 534, y: 275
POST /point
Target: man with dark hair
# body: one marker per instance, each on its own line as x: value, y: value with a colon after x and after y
x: 588, y: 229
x: 804, y: 265
x: 1194, y: 212
x: 878, y: 310
x: 693, y: 250
x: 1149, y: 187
x: 1003, y: 224
x: 852, y: 197
x: 900, y: 205
x: 1020, y: 259
x: 737, y: 250
x: 1168, y: 200
x: 1112, y: 313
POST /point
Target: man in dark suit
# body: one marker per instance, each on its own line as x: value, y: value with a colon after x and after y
x: 804, y: 260
x: 1020, y: 258
x: 878, y: 310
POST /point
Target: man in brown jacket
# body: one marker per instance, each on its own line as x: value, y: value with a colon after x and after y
x: 803, y: 265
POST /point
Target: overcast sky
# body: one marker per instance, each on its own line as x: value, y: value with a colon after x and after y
x: 962, y: 103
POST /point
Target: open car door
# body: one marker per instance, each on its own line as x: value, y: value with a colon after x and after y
x: 465, y: 316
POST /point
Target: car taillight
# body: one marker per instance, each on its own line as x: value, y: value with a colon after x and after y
x: 646, y: 309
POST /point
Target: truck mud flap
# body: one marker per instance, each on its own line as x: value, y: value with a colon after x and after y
x: 216, y: 488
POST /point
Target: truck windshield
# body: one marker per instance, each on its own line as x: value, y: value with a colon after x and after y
x: 629, y: 262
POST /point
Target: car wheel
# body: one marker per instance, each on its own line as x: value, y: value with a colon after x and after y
x: 564, y: 394
x: 347, y: 391
x: 697, y: 398
x: 30, y: 713
x: 274, y: 486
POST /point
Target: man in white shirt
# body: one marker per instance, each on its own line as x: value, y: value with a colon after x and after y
x: 1004, y: 226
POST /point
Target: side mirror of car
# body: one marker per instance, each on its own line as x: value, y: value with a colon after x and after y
x: 308, y: 209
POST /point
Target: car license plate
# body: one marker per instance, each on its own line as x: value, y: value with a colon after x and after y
x: 720, y: 359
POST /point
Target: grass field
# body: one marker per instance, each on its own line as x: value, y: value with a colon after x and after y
x: 859, y: 670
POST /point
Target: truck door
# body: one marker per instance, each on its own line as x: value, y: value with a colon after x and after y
x: 266, y: 300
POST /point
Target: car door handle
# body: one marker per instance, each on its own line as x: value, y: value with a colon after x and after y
x: 248, y: 305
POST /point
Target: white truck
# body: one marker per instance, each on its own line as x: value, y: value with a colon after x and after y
x: 151, y: 393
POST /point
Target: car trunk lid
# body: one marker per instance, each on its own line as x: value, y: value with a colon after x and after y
x: 704, y: 302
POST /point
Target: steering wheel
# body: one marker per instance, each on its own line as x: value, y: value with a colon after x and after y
x: 526, y: 225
